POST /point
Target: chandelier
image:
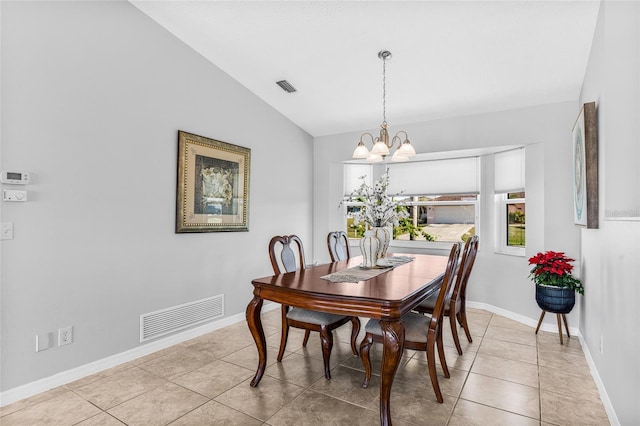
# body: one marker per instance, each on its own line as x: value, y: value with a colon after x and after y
x: 381, y: 144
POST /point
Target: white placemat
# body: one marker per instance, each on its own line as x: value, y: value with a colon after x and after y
x: 357, y: 273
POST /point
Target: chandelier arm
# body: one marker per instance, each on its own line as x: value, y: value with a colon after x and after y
x: 373, y: 140
x: 399, y: 139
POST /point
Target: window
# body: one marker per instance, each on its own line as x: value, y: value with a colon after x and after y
x: 510, y: 201
x: 512, y: 238
x: 439, y: 218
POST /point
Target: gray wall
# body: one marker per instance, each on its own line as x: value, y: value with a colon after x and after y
x: 93, y: 94
x: 610, y: 253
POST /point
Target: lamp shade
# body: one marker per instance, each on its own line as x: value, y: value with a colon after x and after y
x: 361, y: 151
x: 380, y: 148
x: 397, y: 156
x: 406, y: 149
x: 374, y: 158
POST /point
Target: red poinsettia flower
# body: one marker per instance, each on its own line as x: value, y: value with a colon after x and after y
x: 554, y: 269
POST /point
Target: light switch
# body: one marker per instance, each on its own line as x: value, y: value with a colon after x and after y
x: 6, y: 231
x: 14, y: 195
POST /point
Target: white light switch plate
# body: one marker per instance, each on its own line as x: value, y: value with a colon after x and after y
x: 14, y: 195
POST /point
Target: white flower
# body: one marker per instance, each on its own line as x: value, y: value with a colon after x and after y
x: 379, y: 209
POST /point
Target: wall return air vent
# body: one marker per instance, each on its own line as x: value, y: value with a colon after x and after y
x: 169, y: 320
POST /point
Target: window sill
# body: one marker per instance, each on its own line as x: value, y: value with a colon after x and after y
x: 514, y: 253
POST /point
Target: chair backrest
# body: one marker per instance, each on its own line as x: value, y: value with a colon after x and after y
x: 287, y: 256
x: 338, y: 244
x: 449, y: 277
x: 466, y: 264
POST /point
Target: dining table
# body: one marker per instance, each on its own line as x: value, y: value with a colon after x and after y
x: 386, y: 296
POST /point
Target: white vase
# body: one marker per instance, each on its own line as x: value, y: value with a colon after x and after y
x: 383, y: 234
x: 369, y: 246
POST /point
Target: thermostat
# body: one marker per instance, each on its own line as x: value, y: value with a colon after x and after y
x: 15, y: 178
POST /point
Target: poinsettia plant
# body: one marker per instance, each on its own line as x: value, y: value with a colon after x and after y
x: 554, y: 269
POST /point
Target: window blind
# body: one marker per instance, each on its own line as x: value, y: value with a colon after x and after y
x: 509, y: 171
x: 352, y: 174
x: 450, y: 176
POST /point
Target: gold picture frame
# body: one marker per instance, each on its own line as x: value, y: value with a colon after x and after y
x: 213, y: 185
x: 585, y: 168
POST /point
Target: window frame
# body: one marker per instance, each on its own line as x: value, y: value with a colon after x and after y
x: 502, y: 202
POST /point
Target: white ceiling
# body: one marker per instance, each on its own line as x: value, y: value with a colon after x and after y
x: 450, y: 58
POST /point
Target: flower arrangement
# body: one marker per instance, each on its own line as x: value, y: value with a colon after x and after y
x: 554, y: 269
x: 379, y: 209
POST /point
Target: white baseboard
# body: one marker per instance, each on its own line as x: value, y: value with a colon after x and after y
x: 604, y: 396
x: 64, y: 377
x: 520, y: 318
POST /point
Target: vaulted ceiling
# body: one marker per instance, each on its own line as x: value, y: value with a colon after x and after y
x: 450, y: 58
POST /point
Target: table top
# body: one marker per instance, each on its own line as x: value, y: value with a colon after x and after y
x: 387, y: 296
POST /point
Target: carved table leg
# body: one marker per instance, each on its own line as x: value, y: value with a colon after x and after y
x: 393, y: 345
x: 255, y: 326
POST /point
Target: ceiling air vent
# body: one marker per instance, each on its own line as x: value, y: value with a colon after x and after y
x: 286, y: 86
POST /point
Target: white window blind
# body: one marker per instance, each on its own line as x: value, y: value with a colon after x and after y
x: 450, y: 176
x: 509, y: 171
x: 352, y: 174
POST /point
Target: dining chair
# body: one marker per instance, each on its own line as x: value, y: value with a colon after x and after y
x: 338, y: 244
x: 308, y: 320
x: 455, y: 303
x: 422, y: 332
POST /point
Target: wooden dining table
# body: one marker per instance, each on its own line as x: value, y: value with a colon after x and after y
x: 386, y: 297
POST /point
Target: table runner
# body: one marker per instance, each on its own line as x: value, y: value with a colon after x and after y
x: 357, y: 273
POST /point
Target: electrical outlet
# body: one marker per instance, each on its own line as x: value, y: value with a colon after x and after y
x: 65, y: 335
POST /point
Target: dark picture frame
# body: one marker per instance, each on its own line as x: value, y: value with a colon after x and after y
x: 585, y: 167
x: 213, y: 185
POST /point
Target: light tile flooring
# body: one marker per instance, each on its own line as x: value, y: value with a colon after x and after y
x: 507, y: 376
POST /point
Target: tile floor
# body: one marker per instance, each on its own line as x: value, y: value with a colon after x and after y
x: 507, y: 376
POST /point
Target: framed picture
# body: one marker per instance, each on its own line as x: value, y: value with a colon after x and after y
x: 585, y: 171
x: 213, y: 185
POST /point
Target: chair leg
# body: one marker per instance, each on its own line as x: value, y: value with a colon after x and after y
x: 355, y: 330
x: 326, y: 338
x: 564, y: 317
x: 443, y: 359
x: 454, y: 332
x: 307, y: 333
x: 465, y: 325
x: 366, y: 360
x: 559, y: 327
x: 431, y: 362
x: 540, y: 320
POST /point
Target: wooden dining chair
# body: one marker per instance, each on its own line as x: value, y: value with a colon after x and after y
x: 338, y: 244
x: 309, y: 320
x: 455, y: 303
x: 422, y: 332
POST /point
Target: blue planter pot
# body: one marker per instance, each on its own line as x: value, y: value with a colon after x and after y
x: 555, y: 299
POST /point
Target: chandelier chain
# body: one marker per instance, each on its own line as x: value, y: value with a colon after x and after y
x: 384, y: 90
